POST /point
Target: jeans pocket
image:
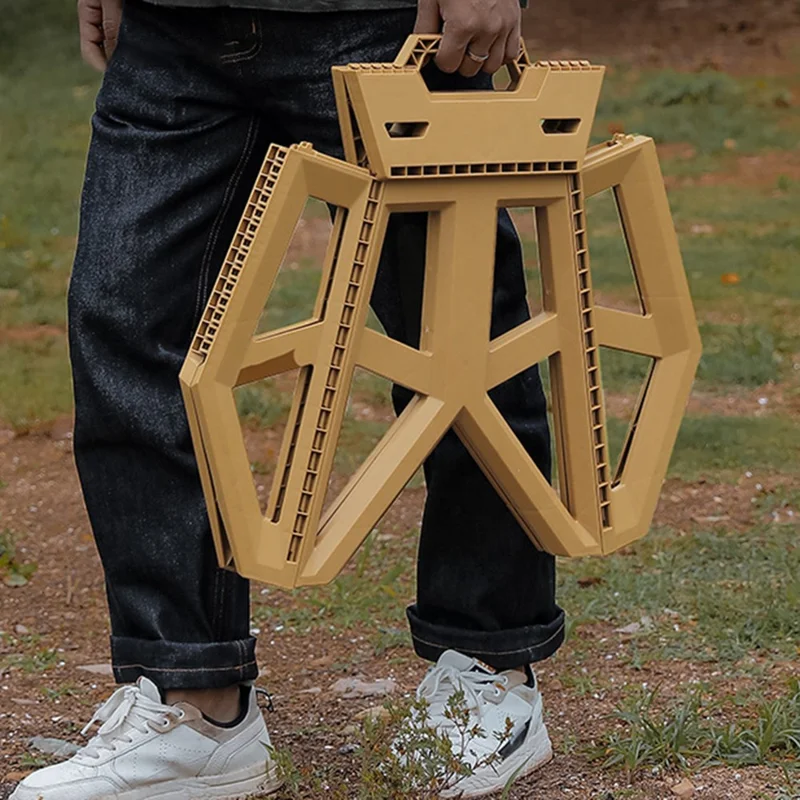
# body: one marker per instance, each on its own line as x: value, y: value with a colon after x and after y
x: 242, y: 35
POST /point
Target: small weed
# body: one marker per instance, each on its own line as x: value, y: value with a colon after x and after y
x: 401, y: 757
x: 774, y: 733
x: 55, y: 693
x: 791, y: 788
x: 579, y: 683
x: 13, y: 571
x: 35, y: 661
x: 685, y: 735
x: 390, y: 639
x: 32, y: 761
x: 651, y: 740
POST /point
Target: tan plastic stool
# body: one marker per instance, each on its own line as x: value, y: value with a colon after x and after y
x: 459, y: 156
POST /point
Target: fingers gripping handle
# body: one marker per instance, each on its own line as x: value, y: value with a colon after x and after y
x: 419, y: 49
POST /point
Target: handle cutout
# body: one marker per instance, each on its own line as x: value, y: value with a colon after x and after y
x: 556, y: 126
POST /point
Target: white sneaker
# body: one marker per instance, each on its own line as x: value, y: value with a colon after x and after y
x: 145, y: 749
x: 506, y: 706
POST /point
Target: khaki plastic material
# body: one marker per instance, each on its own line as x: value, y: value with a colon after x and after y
x: 459, y: 157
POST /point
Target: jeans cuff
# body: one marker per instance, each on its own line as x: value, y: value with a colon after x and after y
x: 184, y: 665
x: 505, y: 649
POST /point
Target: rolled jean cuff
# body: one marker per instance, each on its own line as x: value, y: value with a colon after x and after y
x: 184, y: 665
x: 505, y: 649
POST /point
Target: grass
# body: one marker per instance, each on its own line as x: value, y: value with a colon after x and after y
x: 686, y: 735
x: 743, y: 355
x: 371, y: 595
x: 723, y: 448
x: 711, y: 596
x: 34, y: 381
x: 14, y: 569
x: 707, y: 110
x: 293, y: 297
x: 30, y: 657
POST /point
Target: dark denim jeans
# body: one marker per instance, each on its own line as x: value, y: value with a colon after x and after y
x: 190, y: 101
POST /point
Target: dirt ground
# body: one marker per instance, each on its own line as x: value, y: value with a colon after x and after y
x: 735, y: 35
x: 63, y: 613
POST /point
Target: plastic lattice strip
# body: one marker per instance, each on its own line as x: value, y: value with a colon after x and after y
x: 522, y: 147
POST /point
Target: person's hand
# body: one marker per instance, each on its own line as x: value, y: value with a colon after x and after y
x: 471, y: 30
x: 98, y: 24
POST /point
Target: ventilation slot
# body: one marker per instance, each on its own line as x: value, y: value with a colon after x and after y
x: 556, y: 126
x: 407, y: 130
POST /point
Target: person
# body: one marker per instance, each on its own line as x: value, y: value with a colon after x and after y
x: 193, y: 93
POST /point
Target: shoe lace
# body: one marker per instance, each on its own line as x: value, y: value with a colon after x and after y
x: 440, y: 682
x: 126, y: 711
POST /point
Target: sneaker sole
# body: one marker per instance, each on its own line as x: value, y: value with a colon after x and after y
x: 534, y: 754
x: 228, y: 787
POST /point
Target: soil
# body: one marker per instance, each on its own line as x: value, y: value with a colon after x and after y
x: 762, y: 170
x: 772, y: 398
x: 30, y: 333
x: 63, y: 612
x: 741, y: 36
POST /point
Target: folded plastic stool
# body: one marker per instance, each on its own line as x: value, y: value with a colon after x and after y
x: 460, y: 156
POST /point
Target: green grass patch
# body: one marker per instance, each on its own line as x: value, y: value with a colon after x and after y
x: 356, y: 441
x: 372, y: 594
x: 705, y: 109
x: 45, y: 107
x: 27, y: 655
x: 722, y: 448
x: 263, y: 404
x: 623, y: 372
x: 724, y: 231
x: 687, y: 735
x: 744, y: 355
x: 293, y: 296
x: 710, y: 595
x: 35, y: 381
x: 14, y: 569
x: 34, y: 271
x: 718, y: 447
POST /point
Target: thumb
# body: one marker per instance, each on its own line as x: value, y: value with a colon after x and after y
x: 428, y: 18
x: 112, y: 16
